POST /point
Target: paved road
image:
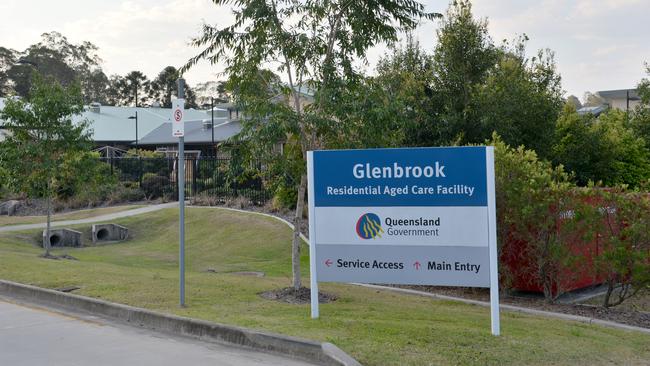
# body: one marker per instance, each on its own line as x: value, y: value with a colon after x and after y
x: 107, y: 217
x: 34, y: 337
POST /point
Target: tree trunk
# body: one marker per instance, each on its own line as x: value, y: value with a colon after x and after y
x: 297, y: 221
x: 47, y: 243
x: 608, y: 294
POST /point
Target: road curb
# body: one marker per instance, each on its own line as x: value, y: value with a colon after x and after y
x: 325, y: 354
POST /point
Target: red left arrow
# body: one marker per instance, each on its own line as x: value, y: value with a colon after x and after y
x: 328, y: 262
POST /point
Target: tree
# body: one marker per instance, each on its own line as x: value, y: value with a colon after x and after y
x: 131, y: 89
x: 163, y: 87
x: 592, y: 100
x: 56, y: 57
x: 521, y: 98
x: 600, y: 149
x: 114, y: 94
x: 640, y: 117
x: 42, y: 135
x: 314, y: 44
x: 39, y: 60
x: 7, y: 58
x: 398, y: 107
x: 461, y: 60
x: 574, y: 102
x: 96, y: 87
x: 211, y: 89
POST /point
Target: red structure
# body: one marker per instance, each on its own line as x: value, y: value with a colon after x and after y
x: 521, y: 259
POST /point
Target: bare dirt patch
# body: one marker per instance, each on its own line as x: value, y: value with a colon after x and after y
x: 300, y: 297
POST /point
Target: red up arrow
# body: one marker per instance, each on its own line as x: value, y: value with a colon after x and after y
x: 328, y: 262
x: 416, y: 265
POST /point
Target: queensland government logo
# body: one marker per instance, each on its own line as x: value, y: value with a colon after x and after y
x: 369, y: 226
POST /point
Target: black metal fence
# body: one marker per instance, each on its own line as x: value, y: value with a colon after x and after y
x: 219, y: 178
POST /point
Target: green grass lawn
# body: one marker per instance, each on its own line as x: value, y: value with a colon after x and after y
x: 72, y: 215
x: 376, y: 327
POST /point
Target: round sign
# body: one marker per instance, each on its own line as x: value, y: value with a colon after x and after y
x: 178, y: 115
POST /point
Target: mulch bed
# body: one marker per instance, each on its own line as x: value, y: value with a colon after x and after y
x: 300, y: 297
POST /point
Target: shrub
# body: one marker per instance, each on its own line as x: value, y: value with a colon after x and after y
x: 285, y: 197
x: 601, y: 149
x: 122, y: 193
x: 624, y: 259
x: 205, y: 199
x: 82, y: 173
x: 148, y: 176
x: 155, y: 186
x: 530, y: 195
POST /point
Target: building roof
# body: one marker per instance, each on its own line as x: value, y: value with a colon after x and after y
x: 112, y: 124
x: 618, y: 94
x: 196, y: 132
x: 592, y: 110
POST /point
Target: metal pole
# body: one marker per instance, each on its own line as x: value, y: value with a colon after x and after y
x: 137, y: 150
x: 136, y: 131
x: 181, y: 201
x: 212, y: 107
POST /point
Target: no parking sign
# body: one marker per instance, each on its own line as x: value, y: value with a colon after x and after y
x: 178, y: 126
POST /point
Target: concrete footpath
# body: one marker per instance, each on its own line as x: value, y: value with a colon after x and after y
x: 107, y: 217
x: 33, y: 336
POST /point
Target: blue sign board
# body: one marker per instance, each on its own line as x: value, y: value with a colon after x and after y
x: 403, y: 216
x: 450, y: 176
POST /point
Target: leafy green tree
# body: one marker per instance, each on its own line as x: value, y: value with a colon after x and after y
x: 313, y: 44
x: 54, y: 56
x: 462, y: 58
x: 42, y: 135
x: 163, y: 87
x: 521, y: 98
x: 600, y: 149
x: 42, y: 61
x: 8, y: 57
x: 640, y: 117
x: 579, y: 147
x: 574, y: 101
x: 398, y: 107
x: 592, y: 100
x: 130, y: 90
x: 96, y: 87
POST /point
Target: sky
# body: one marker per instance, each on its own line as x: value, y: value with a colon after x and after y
x: 598, y: 44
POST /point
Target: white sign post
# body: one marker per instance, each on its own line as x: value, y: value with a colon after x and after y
x: 423, y: 216
x: 178, y: 124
